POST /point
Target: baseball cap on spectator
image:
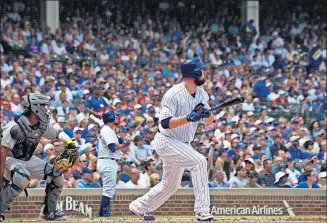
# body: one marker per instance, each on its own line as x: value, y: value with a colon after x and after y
x: 270, y: 128
x: 48, y: 146
x: 149, y: 105
x: 307, y: 162
x: 275, y: 33
x: 186, y: 177
x: 281, y: 92
x: 258, y: 122
x: 289, y: 159
x: 238, y: 169
x: 152, y: 110
x: 234, y: 136
x: 116, y: 101
x: 294, y: 138
x: 268, y: 84
x: 137, y: 106
x: 95, y: 87
x: 253, y: 129
x: 91, y: 126
x: 277, y: 137
x: 255, y: 157
x: 280, y: 175
x: 87, y: 170
x: 228, y: 132
x: 270, y: 120
x: 76, y: 129
x: 249, y: 160
x: 281, y: 166
x: 61, y: 119
x: 261, y: 132
x: 86, y: 91
x: 257, y: 147
x: 253, y: 173
x: 250, y: 113
x: 221, y: 151
x: 322, y: 175
x: 318, y: 134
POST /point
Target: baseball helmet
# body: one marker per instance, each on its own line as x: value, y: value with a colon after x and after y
x: 108, y: 116
x: 38, y: 104
x: 192, y: 68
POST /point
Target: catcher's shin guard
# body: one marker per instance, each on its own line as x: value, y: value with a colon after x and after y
x: 67, y: 158
x: 55, y: 182
x: 20, y: 178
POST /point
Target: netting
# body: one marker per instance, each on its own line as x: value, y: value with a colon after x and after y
x: 158, y: 35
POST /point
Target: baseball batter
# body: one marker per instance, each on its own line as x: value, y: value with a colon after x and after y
x: 182, y: 107
x: 109, y: 154
x: 19, y: 140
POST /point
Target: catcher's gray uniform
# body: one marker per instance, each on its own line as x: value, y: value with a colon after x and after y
x: 22, y: 139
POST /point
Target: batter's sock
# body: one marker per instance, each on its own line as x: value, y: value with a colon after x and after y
x: 101, y: 208
x: 105, y: 202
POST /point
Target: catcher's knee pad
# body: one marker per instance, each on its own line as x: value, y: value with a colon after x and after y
x: 20, y: 178
x: 55, y: 182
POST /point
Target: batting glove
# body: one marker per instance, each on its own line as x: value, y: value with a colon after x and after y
x: 205, y: 113
x: 193, y: 117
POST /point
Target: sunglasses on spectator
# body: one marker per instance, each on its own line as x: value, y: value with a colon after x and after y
x: 82, y: 161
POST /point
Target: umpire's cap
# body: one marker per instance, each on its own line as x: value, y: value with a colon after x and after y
x: 108, y: 116
x: 192, y: 68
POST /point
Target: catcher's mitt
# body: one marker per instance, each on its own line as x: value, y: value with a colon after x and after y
x: 67, y: 158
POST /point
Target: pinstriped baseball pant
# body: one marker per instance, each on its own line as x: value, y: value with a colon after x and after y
x: 177, y: 156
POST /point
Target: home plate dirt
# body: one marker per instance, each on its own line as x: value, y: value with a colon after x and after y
x: 171, y: 219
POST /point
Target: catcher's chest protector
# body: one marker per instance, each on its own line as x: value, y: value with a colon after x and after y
x: 27, y: 138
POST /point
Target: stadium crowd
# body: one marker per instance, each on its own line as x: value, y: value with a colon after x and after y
x: 106, y: 57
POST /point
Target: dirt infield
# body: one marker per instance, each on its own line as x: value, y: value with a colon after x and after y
x: 172, y: 219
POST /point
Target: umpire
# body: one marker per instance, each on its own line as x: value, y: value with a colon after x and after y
x: 109, y: 154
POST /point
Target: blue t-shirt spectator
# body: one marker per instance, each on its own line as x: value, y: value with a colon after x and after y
x: 84, y: 184
x: 260, y: 89
x: 304, y: 184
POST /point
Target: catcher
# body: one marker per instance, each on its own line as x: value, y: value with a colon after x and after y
x: 19, y: 140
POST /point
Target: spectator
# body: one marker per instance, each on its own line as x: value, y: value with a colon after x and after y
x: 15, y: 105
x: 150, y: 168
x: 69, y: 181
x: 257, y: 162
x: 307, y: 166
x: 81, y: 164
x: 154, y: 179
x: 295, y: 152
x: 266, y: 176
x: 134, y: 179
x: 142, y: 152
x: 278, y: 145
x: 78, y: 140
x: 252, y: 180
x: 239, y: 179
x: 320, y: 137
x: 322, y: 180
x: 49, y: 150
x: 249, y: 165
x: 120, y: 184
x: 186, y: 179
x: 292, y: 171
x: 310, y: 180
x: 281, y: 180
x: 125, y: 173
x: 88, y: 179
x: 322, y: 155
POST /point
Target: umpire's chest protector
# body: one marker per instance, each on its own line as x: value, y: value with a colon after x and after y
x: 27, y: 138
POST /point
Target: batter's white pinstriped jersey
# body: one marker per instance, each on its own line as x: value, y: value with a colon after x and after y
x: 178, y: 102
x: 107, y: 136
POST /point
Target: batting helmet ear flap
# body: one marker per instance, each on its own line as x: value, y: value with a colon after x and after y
x: 197, y: 74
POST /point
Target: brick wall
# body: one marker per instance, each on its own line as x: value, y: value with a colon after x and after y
x: 303, y: 201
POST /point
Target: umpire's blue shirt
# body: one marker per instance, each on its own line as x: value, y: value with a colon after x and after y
x: 84, y: 184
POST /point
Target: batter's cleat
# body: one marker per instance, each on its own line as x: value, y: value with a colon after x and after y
x: 52, y: 216
x: 204, y: 216
x: 143, y: 216
x: 2, y: 218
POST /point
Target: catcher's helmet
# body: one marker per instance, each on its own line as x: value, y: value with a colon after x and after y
x: 192, y: 68
x: 38, y: 104
x: 108, y: 116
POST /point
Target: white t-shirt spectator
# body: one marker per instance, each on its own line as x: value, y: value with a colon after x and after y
x: 58, y: 50
x: 131, y: 185
x: 248, y: 106
x: 144, y: 180
x: 278, y: 43
x: 120, y: 184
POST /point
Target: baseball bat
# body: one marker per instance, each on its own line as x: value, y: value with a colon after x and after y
x: 229, y: 103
